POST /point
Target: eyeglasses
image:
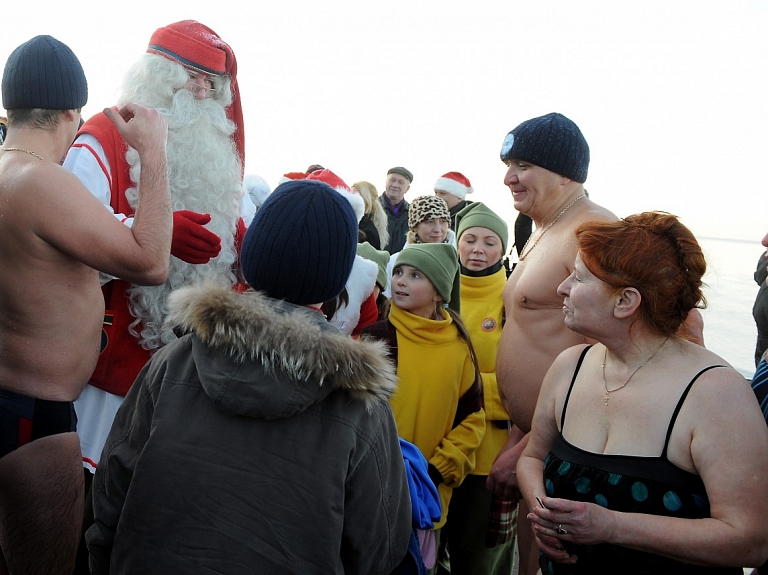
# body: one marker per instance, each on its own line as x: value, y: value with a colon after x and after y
x: 193, y: 86
x: 197, y: 87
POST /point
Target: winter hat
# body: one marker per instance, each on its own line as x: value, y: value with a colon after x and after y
x: 301, y: 244
x: 440, y: 263
x: 426, y: 208
x: 327, y: 176
x: 402, y: 171
x: 552, y: 142
x: 44, y: 73
x: 257, y: 188
x: 292, y: 176
x: 379, y: 257
x: 195, y: 46
x: 477, y: 214
x: 454, y: 183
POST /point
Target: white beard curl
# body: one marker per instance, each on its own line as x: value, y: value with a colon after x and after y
x: 204, y: 173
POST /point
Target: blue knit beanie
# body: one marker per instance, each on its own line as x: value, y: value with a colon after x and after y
x: 44, y: 73
x: 302, y: 243
x: 552, y: 142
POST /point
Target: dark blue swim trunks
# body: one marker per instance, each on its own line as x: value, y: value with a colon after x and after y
x: 24, y: 419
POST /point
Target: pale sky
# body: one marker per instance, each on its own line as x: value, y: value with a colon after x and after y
x: 670, y: 95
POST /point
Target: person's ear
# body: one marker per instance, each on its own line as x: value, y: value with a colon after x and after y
x: 627, y: 302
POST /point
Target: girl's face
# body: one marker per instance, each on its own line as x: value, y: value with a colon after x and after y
x: 433, y: 231
x: 413, y: 292
x: 479, y: 248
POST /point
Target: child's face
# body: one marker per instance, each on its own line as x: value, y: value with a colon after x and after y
x: 413, y: 292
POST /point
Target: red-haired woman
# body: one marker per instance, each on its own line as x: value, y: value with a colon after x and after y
x: 648, y: 453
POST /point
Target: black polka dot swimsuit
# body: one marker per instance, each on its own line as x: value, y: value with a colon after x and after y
x: 632, y: 484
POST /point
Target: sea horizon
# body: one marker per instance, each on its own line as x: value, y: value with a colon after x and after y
x: 730, y: 290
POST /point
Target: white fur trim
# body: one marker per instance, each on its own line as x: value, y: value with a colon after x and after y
x: 359, y: 286
x: 453, y: 187
x: 357, y: 202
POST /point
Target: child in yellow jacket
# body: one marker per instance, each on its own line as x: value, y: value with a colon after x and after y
x: 438, y: 403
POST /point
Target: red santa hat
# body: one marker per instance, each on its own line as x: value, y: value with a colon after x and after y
x: 290, y: 176
x: 195, y: 46
x: 328, y: 177
x: 454, y: 183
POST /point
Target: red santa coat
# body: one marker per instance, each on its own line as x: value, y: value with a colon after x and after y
x: 121, y: 356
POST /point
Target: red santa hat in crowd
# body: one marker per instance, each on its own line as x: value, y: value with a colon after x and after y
x: 292, y: 176
x: 327, y: 176
x: 454, y: 183
x: 195, y: 46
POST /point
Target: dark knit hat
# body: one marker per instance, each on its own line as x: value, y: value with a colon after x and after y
x: 402, y: 171
x: 552, y: 142
x: 44, y: 73
x: 301, y: 244
x: 440, y: 263
x: 477, y: 214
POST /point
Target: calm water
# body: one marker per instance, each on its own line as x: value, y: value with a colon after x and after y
x: 729, y: 329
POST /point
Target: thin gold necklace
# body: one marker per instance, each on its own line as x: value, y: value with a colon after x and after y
x: 30, y: 152
x: 523, y: 253
x: 623, y: 385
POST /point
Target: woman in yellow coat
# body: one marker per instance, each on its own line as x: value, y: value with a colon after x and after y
x: 479, y: 531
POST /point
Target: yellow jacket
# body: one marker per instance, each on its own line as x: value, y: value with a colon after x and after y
x: 482, y: 310
x: 435, y: 371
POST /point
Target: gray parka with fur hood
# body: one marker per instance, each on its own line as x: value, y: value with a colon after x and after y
x: 260, y: 442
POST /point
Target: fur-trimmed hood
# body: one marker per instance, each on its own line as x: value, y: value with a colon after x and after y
x: 268, y: 359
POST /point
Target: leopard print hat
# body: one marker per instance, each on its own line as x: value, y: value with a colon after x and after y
x: 426, y: 208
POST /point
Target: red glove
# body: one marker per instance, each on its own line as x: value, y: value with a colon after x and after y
x: 191, y: 242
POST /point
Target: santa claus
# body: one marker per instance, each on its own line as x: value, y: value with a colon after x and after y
x: 188, y: 74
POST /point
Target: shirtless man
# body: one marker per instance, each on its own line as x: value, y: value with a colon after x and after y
x: 547, y: 160
x: 54, y: 236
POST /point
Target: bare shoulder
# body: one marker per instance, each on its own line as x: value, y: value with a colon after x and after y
x: 564, y: 365
x: 719, y: 392
x: 35, y: 181
x: 592, y: 212
x: 46, y: 196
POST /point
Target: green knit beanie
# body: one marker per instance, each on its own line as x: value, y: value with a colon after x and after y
x: 440, y: 263
x: 379, y: 257
x: 479, y: 215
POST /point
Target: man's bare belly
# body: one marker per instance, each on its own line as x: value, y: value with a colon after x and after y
x: 49, y: 348
x: 530, y: 342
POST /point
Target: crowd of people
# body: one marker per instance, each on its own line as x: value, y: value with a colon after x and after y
x: 199, y: 374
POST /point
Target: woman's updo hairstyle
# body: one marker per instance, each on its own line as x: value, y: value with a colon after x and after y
x: 653, y: 253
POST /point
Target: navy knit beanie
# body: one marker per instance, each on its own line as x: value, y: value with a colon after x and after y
x: 44, y: 73
x: 552, y: 142
x: 302, y: 243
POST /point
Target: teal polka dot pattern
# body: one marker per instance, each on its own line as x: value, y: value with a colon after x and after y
x: 672, y: 501
x: 583, y: 484
x: 550, y: 487
x: 564, y: 468
x: 614, y: 478
x: 601, y: 500
x: 639, y: 491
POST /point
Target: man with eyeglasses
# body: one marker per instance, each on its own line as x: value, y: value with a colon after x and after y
x: 194, y: 86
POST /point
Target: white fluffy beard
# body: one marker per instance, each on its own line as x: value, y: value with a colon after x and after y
x: 204, y: 173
